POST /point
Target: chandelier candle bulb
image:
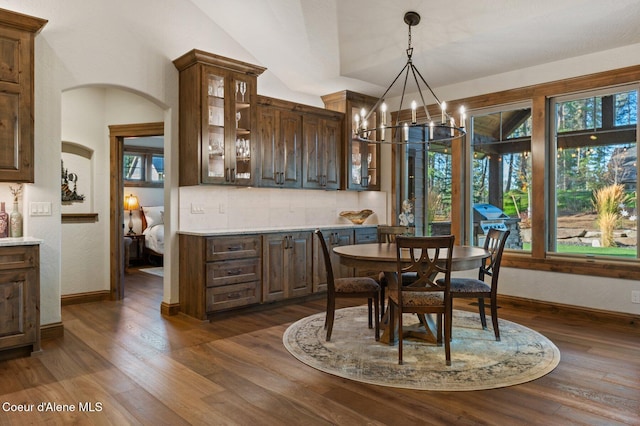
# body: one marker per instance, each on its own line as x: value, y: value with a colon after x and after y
x: 431, y: 130
x: 453, y: 125
x: 383, y: 119
x: 414, y: 118
x: 406, y: 132
x: 382, y: 132
x: 443, y: 106
x: 463, y: 116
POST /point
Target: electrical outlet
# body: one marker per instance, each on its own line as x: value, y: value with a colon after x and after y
x: 197, y: 208
x: 635, y: 296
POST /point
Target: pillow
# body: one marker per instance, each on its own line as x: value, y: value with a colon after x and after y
x: 153, y: 215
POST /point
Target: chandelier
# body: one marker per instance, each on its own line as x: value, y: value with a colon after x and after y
x: 438, y: 129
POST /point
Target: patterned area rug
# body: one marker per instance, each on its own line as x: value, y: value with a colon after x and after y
x: 477, y: 360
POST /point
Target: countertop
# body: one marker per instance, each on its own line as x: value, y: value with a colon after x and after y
x: 246, y: 231
x: 21, y: 241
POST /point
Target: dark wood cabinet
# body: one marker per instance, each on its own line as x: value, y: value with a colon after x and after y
x: 19, y: 298
x: 333, y: 238
x: 322, y: 138
x: 217, y: 119
x: 280, y: 145
x: 219, y: 273
x: 17, y: 34
x: 361, y: 159
x: 287, y: 265
x: 300, y: 145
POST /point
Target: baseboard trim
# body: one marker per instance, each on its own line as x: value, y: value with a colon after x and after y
x: 91, y: 296
x: 51, y: 331
x: 169, y: 309
x: 576, y: 312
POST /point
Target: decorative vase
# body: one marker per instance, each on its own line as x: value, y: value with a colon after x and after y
x: 4, y: 222
x: 16, y: 221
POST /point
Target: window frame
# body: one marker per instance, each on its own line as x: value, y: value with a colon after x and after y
x: 147, y: 154
x: 551, y: 243
x: 541, y: 146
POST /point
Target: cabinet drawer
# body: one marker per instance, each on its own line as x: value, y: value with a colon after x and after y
x: 224, y: 248
x: 232, y: 272
x: 231, y: 296
x: 18, y: 257
x: 367, y: 235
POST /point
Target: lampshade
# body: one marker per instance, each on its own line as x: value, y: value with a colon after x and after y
x: 131, y: 202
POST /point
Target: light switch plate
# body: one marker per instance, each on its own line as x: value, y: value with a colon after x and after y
x: 197, y: 208
x: 40, y: 208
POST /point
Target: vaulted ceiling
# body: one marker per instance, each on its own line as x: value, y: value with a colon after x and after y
x: 322, y: 46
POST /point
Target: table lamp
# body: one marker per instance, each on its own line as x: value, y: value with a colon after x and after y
x: 131, y: 204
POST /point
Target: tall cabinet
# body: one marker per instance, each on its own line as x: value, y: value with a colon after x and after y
x: 361, y: 159
x: 218, y: 119
x: 17, y: 34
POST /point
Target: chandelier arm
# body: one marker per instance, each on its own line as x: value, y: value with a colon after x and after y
x: 404, y: 89
x: 381, y: 99
x: 429, y: 87
x: 424, y: 104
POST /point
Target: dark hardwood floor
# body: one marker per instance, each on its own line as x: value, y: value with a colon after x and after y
x: 123, y: 363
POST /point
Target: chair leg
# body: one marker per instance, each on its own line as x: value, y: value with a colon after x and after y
x: 447, y: 338
x: 377, y: 316
x: 391, y: 325
x: 494, y: 318
x: 331, y: 313
x: 369, y: 300
x: 439, y: 330
x: 382, y: 298
x: 400, y: 335
x: 483, y: 318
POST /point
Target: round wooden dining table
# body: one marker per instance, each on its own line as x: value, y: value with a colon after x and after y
x: 383, y: 257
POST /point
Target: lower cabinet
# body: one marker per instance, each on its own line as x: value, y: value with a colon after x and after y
x: 287, y: 265
x: 20, y: 297
x: 219, y: 273
x: 333, y: 238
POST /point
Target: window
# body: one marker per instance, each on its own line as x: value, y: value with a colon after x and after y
x: 143, y: 167
x: 426, y: 184
x: 595, y: 179
x: 501, y: 174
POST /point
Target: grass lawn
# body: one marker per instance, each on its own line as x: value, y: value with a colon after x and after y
x: 630, y: 252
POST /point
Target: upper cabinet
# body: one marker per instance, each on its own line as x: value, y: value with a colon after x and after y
x: 322, y: 138
x: 361, y: 159
x: 218, y: 119
x: 17, y: 34
x: 300, y: 145
x: 280, y: 145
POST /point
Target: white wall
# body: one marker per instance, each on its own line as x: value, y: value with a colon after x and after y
x: 131, y: 45
x: 86, y: 114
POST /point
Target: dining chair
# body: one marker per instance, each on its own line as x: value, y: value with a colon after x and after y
x: 387, y: 234
x: 348, y: 287
x: 430, y: 259
x: 477, y: 288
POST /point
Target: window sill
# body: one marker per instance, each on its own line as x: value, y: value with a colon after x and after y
x: 605, y: 268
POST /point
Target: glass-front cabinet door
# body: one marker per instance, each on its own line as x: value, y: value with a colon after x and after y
x: 214, y: 169
x: 228, y: 152
x: 364, y: 155
x: 361, y: 170
x: 217, y: 119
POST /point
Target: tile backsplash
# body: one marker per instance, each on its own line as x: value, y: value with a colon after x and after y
x: 205, y: 208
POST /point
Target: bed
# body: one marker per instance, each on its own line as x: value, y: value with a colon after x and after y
x: 153, y: 231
